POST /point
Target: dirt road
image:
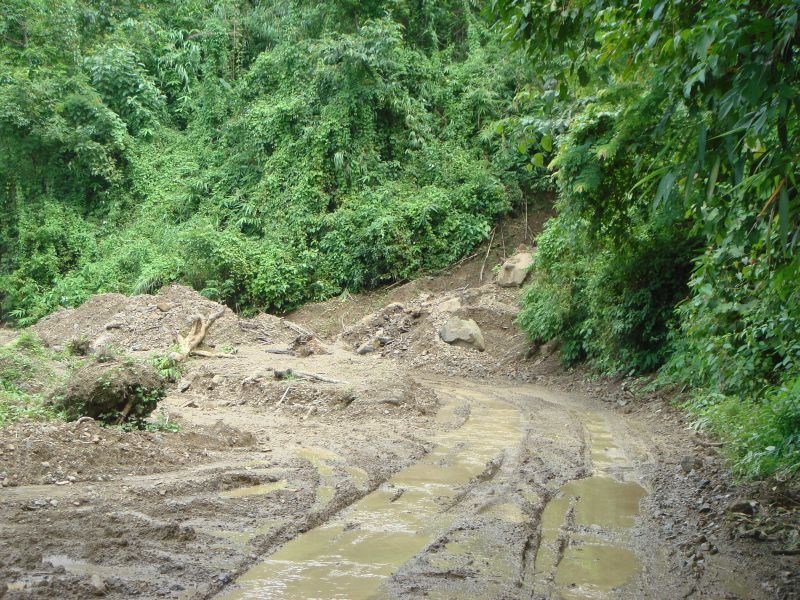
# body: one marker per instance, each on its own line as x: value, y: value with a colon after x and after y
x: 423, y: 470
x: 532, y: 494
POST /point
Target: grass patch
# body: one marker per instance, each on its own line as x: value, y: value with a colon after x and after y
x: 762, y: 437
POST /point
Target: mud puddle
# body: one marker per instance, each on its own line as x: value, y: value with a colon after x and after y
x: 584, y: 550
x: 351, y: 555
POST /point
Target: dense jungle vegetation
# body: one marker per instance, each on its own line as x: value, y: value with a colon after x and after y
x: 672, y: 129
x: 272, y: 153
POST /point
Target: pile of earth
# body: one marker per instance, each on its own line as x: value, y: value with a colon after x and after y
x: 411, y: 332
x: 151, y: 322
x: 66, y: 453
x: 246, y: 382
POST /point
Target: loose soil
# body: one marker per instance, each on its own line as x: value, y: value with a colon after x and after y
x: 417, y: 470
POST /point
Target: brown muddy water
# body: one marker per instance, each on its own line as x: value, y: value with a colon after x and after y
x: 582, y: 552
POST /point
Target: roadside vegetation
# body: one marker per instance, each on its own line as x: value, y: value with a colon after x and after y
x: 44, y: 384
x: 671, y: 132
x: 271, y: 154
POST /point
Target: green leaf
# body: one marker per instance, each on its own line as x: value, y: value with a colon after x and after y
x: 547, y: 142
x: 538, y: 159
x: 783, y: 213
x: 712, y: 179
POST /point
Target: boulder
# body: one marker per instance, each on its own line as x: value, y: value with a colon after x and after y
x: 515, y: 270
x: 460, y: 332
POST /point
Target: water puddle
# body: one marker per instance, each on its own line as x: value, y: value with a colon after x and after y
x: 256, y: 490
x: 591, y: 570
x: 507, y: 511
x: 319, y: 458
x: 242, y: 538
x: 351, y: 555
x: 359, y: 476
x: 573, y: 565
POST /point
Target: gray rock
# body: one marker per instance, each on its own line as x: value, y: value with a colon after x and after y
x: 459, y: 332
x: 452, y: 305
x: 515, y: 270
x: 367, y: 347
x: 98, y: 584
x: 743, y: 506
x: 690, y: 463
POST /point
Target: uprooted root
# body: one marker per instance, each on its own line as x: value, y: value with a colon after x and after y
x: 190, y: 343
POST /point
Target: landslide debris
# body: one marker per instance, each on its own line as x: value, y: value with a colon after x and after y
x: 153, y: 322
x: 479, y: 320
x: 111, y: 392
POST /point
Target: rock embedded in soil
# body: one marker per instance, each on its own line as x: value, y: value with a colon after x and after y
x: 690, y: 463
x: 514, y: 271
x: 458, y: 331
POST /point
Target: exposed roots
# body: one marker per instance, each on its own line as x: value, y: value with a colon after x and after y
x: 190, y: 343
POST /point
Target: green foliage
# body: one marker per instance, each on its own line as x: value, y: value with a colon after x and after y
x: 166, y: 367
x: 265, y: 154
x: 763, y: 435
x: 16, y: 405
x: 24, y: 370
x: 676, y: 127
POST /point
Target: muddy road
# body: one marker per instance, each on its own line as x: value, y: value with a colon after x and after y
x: 416, y: 469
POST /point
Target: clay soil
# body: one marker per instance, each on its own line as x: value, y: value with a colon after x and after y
x: 561, y: 486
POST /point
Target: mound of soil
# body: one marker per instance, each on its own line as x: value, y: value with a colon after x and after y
x: 64, y: 453
x: 147, y: 322
x: 246, y: 382
x: 109, y: 391
x: 410, y: 331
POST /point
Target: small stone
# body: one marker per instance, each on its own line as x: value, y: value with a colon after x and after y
x: 366, y: 347
x: 184, y: 385
x: 743, y: 506
x: 690, y: 463
x: 99, y: 587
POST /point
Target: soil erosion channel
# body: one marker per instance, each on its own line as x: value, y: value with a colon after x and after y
x: 481, y: 515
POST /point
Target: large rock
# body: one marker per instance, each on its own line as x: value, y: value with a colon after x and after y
x: 460, y: 332
x: 515, y: 270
